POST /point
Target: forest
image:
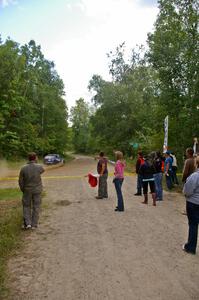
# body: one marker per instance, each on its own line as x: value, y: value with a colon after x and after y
x: 155, y: 81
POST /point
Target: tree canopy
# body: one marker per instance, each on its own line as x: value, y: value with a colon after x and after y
x: 162, y: 80
x: 33, y: 113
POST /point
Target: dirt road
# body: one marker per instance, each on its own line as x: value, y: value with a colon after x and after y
x: 83, y: 249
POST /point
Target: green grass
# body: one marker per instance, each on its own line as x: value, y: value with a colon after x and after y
x: 11, y: 235
x: 10, y: 231
x: 7, y: 194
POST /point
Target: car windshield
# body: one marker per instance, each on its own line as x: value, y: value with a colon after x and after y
x: 51, y: 156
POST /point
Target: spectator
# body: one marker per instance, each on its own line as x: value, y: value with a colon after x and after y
x: 31, y: 186
x: 191, y: 191
x: 118, y: 180
x: 189, y: 165
x: 102, y: 170
x: 174, y: 169
x: 147, y: 170
x: 189, y: 168
x: 168, y: 170
x: 158, y: 159
x: 139, y: 162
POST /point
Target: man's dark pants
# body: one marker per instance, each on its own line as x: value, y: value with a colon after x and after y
x: 193, y: 219
x: 31, y: 206
x: 102, y: 186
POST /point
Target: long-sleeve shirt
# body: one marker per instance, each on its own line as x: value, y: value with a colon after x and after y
x: 191, y: 188
x: 30, y: 177
x: 119, y: 169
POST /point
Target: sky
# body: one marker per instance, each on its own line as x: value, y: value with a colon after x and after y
x: 78, y: 34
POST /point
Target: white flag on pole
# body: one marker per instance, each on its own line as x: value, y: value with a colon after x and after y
x: 166, y: 128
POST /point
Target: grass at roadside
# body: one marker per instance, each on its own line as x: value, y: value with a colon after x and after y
x: 11, y: 235
x: 10, y: 230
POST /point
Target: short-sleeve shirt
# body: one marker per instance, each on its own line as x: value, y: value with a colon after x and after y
x: 99, y: 166
x: 169, y: 161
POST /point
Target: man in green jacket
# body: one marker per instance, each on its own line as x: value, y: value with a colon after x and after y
x: 31, y: 186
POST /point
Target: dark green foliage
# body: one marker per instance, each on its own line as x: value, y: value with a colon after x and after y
x: 162, y: 81
x: 33, y: 113
x: 80, y: 118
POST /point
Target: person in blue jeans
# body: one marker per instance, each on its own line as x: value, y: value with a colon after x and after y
x: 158, y: 159
x: 139, y: 162
x: 168, y: 170
x: 118, y: 180
x: 191, y: 191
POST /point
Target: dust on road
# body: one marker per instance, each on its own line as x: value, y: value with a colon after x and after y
x: 83, y: 249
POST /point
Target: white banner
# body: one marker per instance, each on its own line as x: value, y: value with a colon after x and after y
x: 166, y: 128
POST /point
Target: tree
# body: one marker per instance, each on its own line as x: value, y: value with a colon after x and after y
x: 33, y: 111
x: 174, y: 52
x: 80, y: 116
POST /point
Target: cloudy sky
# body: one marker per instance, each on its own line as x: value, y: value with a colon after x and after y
x: 77, y: 34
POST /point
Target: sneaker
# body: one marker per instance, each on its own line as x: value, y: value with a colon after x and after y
x: 137, y: 194
x: 28, y: 226
x: 98, y: 197
x: 117, y: 209
x: 186, y: 250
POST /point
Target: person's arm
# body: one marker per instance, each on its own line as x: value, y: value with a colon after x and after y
x: 167, y: 168
x: 137, y: 167
x: 42, y: 170
x: 102, y: 169
x: 185, y: 172
x: 21, y: 181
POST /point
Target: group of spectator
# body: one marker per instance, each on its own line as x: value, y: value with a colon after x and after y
x: 150, y: 171
x: 157, y: 164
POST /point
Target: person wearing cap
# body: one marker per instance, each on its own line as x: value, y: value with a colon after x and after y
x: 102, y: 170
x: 168, y: 170
x: 30, y: 184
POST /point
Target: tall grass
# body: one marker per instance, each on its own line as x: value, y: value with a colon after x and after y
x: 10, y: 230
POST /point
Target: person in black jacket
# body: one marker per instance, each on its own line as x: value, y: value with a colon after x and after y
x: 146, y: 171
x: 139, y: 162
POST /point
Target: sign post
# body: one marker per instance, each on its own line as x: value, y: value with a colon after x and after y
x: 166, y: 129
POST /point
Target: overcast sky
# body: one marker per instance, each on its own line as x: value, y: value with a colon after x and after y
x: 77, y: 34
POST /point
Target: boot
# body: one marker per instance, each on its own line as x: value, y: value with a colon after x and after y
x: 154, y: 199
x: 145, y: 199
